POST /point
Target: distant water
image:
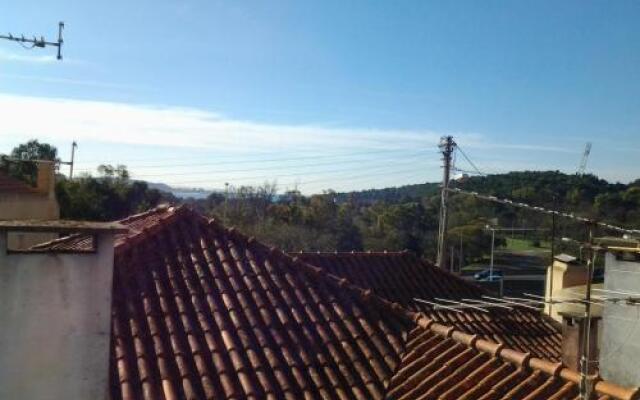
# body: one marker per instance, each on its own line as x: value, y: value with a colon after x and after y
x: 186, y: 194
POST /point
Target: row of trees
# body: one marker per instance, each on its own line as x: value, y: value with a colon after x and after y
x: 111, y: 195
x: 386, y: 219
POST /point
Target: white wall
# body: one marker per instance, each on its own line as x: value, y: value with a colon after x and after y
x: 620, y: 348
x: 55, y: 313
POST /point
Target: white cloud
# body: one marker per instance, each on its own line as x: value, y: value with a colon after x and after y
x: 66, y: 119
x: 65, y: 81
x: 26, y: 58
x: 191, y: 130
x: 34, y: 58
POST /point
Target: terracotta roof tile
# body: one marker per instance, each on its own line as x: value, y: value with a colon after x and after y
x: 459, y: 366
x: 202, y: 312
x: 401, y: 276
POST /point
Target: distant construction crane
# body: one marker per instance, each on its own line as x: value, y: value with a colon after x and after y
x: 585, y: 158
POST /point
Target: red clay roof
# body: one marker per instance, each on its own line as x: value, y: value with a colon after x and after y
x: 9, y: 184
x: 401, y: 276
x: 445, y: 364
x: 203, y: 312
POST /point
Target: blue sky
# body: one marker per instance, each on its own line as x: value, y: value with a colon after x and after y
x: 347, y: 95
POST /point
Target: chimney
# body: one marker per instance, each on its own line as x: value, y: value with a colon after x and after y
x: 55, y: 309
x: 565, y: 272
x: 574, y: 325
x: 46, y: 181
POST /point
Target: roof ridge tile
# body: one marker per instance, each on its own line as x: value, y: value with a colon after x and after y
x: 525, y: 360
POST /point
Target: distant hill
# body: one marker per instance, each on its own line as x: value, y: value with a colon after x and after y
x: 586, y: 195
x: 399, y: 194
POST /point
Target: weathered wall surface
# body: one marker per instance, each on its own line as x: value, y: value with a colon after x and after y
x: 55, y: 313
x: 620, y: 351
x: 18, y: 206
x: 564, y: 275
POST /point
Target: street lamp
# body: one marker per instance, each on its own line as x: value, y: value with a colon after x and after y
x: 493, y: 241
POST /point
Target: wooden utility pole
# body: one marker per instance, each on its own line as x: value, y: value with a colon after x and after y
x: 447, y: 146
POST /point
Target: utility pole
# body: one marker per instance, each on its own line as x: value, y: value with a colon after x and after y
x: 74, y: 145
x: 585, y: 359
x: 226, y: 199
x: 34, y: 42
x: 447, y: 146
x: 553, y: 253
x: 73, y: 154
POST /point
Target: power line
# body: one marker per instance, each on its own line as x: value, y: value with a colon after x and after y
x: 327, y: 179
x: 546, y: 211
x: 288, y: 167
x: 235, y: 159
x: 469, y: 160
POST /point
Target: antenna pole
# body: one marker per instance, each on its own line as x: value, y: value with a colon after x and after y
x: 585, y: 382
x: 447, y: 145
x: 553, y: 252
x: 35, y: 42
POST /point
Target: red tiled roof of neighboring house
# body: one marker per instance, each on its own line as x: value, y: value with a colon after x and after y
x: 10, y: 184
x: 401, y: 277
x: 443, y: 363
x: 203, y: 312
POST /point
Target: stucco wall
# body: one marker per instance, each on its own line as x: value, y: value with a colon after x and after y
x: 620, y: 351
x: 55, y: 313
x: 17, y: 206
x: 564, y: 275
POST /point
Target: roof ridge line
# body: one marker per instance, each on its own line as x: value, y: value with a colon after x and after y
x: 354, y: 252
x: 523, y: 360
x: 156, y: 209
x: 366, y: 295
x: 148, y: 231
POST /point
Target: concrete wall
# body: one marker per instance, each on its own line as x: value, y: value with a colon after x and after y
x: 620, y: 347
x: 55, y: 312
x: 41, y: 205
x: 20, y: 206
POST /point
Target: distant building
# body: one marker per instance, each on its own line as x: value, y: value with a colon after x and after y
x: 21, y: 201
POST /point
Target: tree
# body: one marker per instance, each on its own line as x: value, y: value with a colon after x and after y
x: 27, y: 170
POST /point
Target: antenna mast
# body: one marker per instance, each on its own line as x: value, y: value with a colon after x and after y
x: 35, y: 42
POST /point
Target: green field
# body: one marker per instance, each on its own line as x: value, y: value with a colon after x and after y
x: 525, y: 245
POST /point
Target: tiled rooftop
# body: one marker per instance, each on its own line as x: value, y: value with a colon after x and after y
x: 203, y: 312
x: 401, y: 276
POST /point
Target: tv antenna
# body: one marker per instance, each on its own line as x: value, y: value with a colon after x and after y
x: 35, y: 42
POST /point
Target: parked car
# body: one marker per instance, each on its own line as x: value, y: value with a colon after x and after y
x: 484, y: 275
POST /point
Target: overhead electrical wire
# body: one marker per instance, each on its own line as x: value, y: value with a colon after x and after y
x: 545, y: 211
x: 237, y: 159
x: 297, y: 166
x: 469, y: 160
x: 326, y: 179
